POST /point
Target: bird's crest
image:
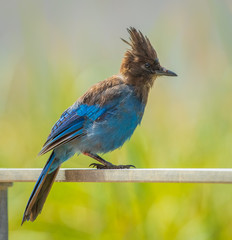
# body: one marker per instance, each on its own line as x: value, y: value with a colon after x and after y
x: 140, y: 45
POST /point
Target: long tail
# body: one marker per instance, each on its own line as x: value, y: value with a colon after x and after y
x: 40, y: 191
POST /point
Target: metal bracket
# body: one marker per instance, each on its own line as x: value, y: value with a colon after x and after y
x: 4, y: 210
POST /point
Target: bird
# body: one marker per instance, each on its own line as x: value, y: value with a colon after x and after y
x: 102, y: 119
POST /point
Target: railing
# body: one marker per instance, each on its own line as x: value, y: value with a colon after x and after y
x: 164, y: 175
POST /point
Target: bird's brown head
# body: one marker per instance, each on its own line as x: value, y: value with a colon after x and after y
x: 140, y: 64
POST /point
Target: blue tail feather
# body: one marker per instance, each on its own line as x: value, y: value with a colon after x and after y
x: 40, y: 191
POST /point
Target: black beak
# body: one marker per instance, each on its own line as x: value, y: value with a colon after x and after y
x: 165, y: 72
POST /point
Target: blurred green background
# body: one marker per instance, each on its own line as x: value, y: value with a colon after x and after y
x: 51, y: 52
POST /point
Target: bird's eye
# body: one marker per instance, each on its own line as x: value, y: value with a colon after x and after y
x: 147, y: 65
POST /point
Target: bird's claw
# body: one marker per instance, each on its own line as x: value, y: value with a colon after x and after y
x: 97, y: 165
x: 110, y: 166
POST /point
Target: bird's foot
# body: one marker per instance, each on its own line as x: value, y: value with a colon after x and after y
x: 110, y: 166
x: 104, y: 164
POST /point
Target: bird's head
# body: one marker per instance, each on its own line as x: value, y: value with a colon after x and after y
x: 140, y: 63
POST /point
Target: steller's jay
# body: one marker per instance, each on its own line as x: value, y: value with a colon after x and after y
x: 102, y: 119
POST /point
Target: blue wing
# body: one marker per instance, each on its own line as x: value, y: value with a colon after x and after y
x: 71, y: 125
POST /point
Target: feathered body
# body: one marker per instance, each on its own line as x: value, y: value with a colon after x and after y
x: 102, y: 119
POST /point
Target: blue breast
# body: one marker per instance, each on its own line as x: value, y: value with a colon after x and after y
x: 114, y: 126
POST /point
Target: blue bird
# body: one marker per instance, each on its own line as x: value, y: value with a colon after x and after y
x: 102, y: 119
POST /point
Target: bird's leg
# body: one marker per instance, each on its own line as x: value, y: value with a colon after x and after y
x: 104, y: 164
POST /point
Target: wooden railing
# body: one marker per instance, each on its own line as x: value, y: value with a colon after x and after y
x: 164, y: 175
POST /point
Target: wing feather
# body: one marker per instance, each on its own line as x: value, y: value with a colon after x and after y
x: 103, y: 98
x: 71, y: 125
